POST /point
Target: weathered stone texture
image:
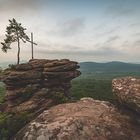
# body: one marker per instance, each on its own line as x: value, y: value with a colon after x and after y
x: 87, y: 119
x: 127, y: 91
x: 28, y: 85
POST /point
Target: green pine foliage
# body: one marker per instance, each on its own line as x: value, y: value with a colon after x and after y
x: 14, y: 33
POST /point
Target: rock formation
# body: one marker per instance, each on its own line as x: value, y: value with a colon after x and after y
x: 90, y: 119
x: 35, y: 87
x: 31, y: 86
x: 127, y: 91
x: 86, y: 119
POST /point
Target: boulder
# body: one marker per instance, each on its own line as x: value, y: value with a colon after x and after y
x: 85, y: 119
x: 127, y: 91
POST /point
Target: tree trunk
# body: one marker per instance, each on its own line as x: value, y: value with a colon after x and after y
x: 32, y: 45
x: 18, y: 54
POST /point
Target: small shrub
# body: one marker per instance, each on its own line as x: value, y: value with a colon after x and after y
x: 12, y: 66
x: 10, y: 124
x: 2, y: 92
x: 60, y: 97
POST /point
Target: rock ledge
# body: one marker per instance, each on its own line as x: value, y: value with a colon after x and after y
x: 86, y: 119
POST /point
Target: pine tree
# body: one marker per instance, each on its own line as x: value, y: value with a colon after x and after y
x: 14, y: 33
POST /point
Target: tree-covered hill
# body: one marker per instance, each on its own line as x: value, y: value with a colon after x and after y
x: 96, y: 79
x: 114, y: 66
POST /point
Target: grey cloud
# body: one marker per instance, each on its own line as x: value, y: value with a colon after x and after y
x: 111, y: 31
x: 137, y: 24
x: 104, y: 30
x: 119, y: 10
x: 52, y: 46
x: 72, y: 27
x: 72, y: 47
x: 125, y: 43
x: 67, y: 28
x: 14, y: 5
x: 109, y: 51
x: 113, y: 38
x: 103, y: 27
x: 75, y: 50
x: 136, y: 43
x: 104, y: 54
x: 99, y: 27
x: 131, y: 45
x: 136, y: 34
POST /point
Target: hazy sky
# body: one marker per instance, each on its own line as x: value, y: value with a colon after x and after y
x: 82, y: 30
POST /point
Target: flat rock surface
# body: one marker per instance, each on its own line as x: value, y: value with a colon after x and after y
x: 86, y: 119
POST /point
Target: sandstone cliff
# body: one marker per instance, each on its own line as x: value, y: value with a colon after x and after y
x: 31, y: 86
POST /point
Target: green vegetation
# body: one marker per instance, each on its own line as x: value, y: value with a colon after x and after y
x: 97, y: 85
x: 94, y: 82
x: 2, y: 91
x: 11, y: 123
x: 59, y: 97
x: 96, y: 79
x: 14, y: 33
x: 11, y: 66
x: 97, y: 89
x: 0, y: 70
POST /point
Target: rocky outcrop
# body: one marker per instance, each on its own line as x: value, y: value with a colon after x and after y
x: 86, y: 119
x: 127, y: 91
x: 91, y: 119
x: 30, y: 87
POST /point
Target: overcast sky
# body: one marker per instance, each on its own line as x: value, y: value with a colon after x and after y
x: 82, y: 30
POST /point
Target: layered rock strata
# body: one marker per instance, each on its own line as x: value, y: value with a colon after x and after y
x: 30, y: 86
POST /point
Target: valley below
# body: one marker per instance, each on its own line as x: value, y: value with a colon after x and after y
x: 96, y: 79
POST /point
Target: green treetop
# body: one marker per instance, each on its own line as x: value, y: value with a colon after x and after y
x: 14, y: 33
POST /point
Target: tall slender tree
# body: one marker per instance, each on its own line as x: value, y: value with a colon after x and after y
x: 14, y: 33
